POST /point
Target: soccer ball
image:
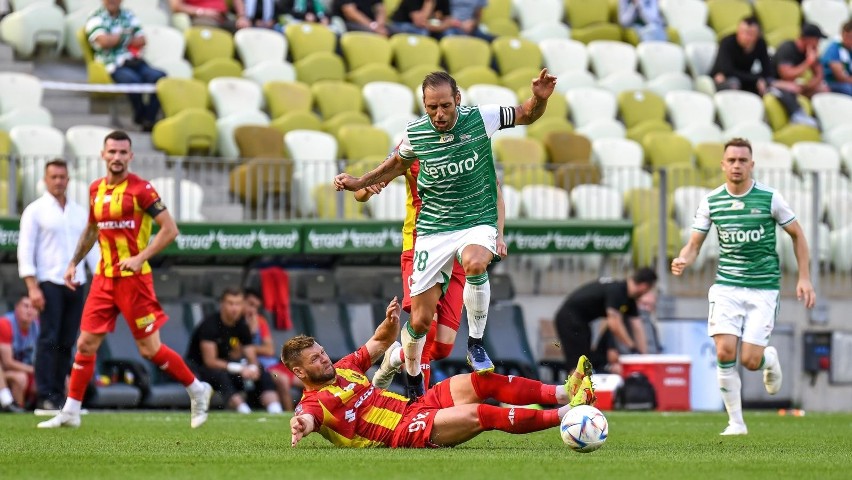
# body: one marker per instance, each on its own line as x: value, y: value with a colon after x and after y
x: 584, y: 429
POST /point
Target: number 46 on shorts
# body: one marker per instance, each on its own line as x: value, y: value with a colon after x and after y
x: 418, y: 422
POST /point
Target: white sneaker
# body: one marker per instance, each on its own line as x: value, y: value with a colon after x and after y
x: 199, y: 404
x: 62, y: 419
x: 772, y: 377
x: 384, y: 375
x: 735, y: 429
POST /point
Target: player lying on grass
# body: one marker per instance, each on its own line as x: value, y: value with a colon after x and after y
x: 342, y: 405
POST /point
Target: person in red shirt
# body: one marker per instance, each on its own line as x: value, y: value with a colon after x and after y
x: 122, y: 210
x: 19, y: 331
x: 341, y: 404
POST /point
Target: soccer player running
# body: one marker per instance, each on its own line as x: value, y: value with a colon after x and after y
x: 442, y: 334
x: 121, y: 209
x: 458, y: 218
x: 342, y: 405
x: 744, y: 300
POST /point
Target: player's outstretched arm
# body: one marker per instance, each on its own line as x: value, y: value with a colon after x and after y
x: 385, y: 333
x: 804, y: 289
x: 533, y: 108
x: 392, y: 167
x: 300, y: 426
x: 688, y: 253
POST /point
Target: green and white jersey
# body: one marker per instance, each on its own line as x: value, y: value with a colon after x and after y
x: 746, y: 227
x: 125, y: 24
x: 457, y: 181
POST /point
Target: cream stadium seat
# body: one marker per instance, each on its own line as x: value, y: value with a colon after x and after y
x: 840, y: 242
x: 546, y: 31
x: 573, y: 79
x: 271, y: 71
x: 511, y: 201
x: 690, y: 108
x: 395, y: 125
x: 832, y: 110
x: 737, y: 106
x: 590, y: 104
x: 390, y: 204
x: 534, y: 13
x: 564, y: 55
x: 37, y: 24
x: 669, y: 82
x: 624, y: 180
x: 164, y: 49
x: 686, y: 201
x: 35, y: 145
x: 191, y: 198
x: 228, y: 124
x: 622, y: 81
x: 609, y: 57
x: 603, y: 128
x: 702, y: 133
x: 384, y: 100
x: 596, y: 202
x: 314, y: 156
x: 232, y: 95
x: 658, y: 58
x: 755, y: 131
x: 491, y: 94
x: 258, y: 45
x: 545, y: 202
x: 85, y: 143
x: 617, y: 153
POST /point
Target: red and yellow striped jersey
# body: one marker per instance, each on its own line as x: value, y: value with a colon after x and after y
x: 123, y: 214
x: 352, y: 412
x: 412, y: 207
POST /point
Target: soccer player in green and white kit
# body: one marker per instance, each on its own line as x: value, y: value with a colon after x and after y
x: 458, y: 218
x: 744, y: 300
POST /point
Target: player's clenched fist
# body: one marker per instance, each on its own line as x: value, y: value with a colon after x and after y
x: 678, y: 265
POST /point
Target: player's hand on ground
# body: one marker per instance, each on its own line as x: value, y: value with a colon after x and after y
x: 298, y: 429
x: 70, y: 274
x: 131, y: 264
x: 805, y: 293
x: 393, y: 311
x: 678, y: 265
x: 542, y: 87
x: 344, y: 181
x: 502, y: 248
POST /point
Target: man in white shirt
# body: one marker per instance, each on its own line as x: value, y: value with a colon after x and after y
x: 50, y: 228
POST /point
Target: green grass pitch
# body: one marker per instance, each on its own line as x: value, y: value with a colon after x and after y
x: 640, y: 446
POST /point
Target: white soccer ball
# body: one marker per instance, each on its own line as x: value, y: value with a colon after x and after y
x: 584, y: 429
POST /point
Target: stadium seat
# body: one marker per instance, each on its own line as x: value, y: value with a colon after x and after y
x: 596, y: 202
x: 226, y: 125
x: 795, y: 133
x: 333, y: 97
x: 192, y: 130
x: 646, y: 238
x: 590, y: 104
x: 690, y: 108
x: 40, y: 23
x: 511, y: 201
x: 34, y: 146
x: 535, y: 13
x: 603, y: 129
x: 414, y: 50
x: 390, y: 205
x: 514, y: 53
x: 306, y: 38
x: 365, y: 48
x: 708, y: 155
x: 491, y: 94
x: 395, y: 125
x: 544, y: 126
x: 686, y: 16
x: 669, y: 82
x: 622, y: 81
x: 639, y: 107
x: 413, y: 77
x: 521, y: 79
x: 75, y: 20
x: 840, y: 241
x: 85, y: 143
x: 476, y: 75
x: 608, y: 57
x: 700, y: 57
x: 150, y: 15
x: 563, y: 55
x: 819, y: 158
x: 838, y: 136
x: 573, y: 79
x: 724, y: 15
x: 234, y: 95
x: 568, y: 148
x: 320, y: 66
x: 386, y: 99
x: 344, y: 119
x: 258, y: 45
x: 96, y: 71
x: 617, y: 153
x: 590, y: 21
x: 643, y: 204
x: 217, y: 67
x: 373, y: 72
x: 208, y: 43
x: 18, y: 92
x: 829, y: 15
x: 265, y: 172
x: 164, y: 50
x: 360, y: 141
x: 270, y: 71
x: 314, y: 156
x: 627, y: 179
x: 832, y: 110
x: 260, y: 142
x: 545, y: 31
x: 780, y: 20
x: 178, y: 94
x: 191, y: 197
x: 683, y: 174
x: 461, y: 52
x: 838, y: 209
x: 755, y: 131
x: 521, y: 152
x: 544, y: 202
x: 498, y: 13
x: 702, y: 133
x: 37, y: 115
x: 666, y: 148
x: 520, y: 176
x: 686, y: 201
x: 327, y: 200
x: 771, y: 156
x: 736, y: 106
x: 658, y: 58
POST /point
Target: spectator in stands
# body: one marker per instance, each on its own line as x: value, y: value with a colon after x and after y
x: 221, y: 338
x: 644, y: 17
x: 797, y: 64
x: 50, y: 228
x: 264, y: 346
x: 837, y: 62
x: 422, y: 17
x: 465, y: 19
x: 18, y: 336
x: 262, y: 13
x: 7, y: 400
x: 214, y: 13
x: 363, y: 15
x: 305, y: 11
x: 116, y: 37
x: 742, y: 62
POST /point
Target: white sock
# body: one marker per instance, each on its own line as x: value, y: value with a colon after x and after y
x: 195, y: 388
x: 412, y: 347
x: 477, y: 296
x: 274, y: 408
x: 6, y: 398
x: 770, y: 359
x: 243, y: 408
x: 563, y: 410
x: 72, y: 406
x: 730, y: 386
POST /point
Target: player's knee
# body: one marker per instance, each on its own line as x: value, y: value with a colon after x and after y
x: 16, y: 379
x: 146, y: 351
x: 726, y: 354
x: 421, y: 321
x: 475, y: 266
x: 751, y: 362
x: 86, y: 346
x: 441, y: 351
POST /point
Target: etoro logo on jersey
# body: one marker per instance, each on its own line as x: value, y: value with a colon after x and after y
x: 452, y: 168
x: 742, y: 236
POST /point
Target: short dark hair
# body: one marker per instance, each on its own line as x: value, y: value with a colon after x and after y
x: 292, y: 349
x: 750, y: 21
x: 230, y: 291
x: 21, y: 298
x: 118, y: 136
x: 645, y: 275
x: 253, y: 292
x: 738, y: 142
x: 436, y: 79
x: 56, y: 162
x: 847, y: 27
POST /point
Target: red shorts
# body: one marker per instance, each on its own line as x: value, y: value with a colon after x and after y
x: 415, y: 428
x: 450, y: 305
x: 131, y: 296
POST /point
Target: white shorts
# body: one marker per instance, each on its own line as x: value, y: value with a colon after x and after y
x: 434, y: 254
x: 748, y: 313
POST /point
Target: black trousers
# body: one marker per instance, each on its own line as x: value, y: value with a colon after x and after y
x: 228, y: 384
x: 60, y: 324
x: 575, y: 336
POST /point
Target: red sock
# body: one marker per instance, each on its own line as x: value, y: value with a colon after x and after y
x: 426, y: 357
x: 169, y: 361
x: 513, y: 390
x: 81, y: 373
x: 440, y: 350
x: 516, y: 420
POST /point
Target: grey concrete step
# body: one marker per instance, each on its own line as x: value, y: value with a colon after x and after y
x: 65, y: 121
x: 7, y: 53
x: 61, y: 102
x: 18, y: 67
